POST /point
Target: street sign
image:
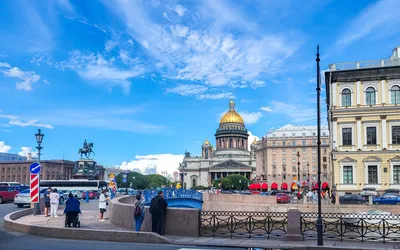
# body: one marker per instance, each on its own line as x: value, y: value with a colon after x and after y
x: 124, y: 180
x: 124, y: 176
x: 35, y: 168
x: 176, y: 174
x: 34, y: 188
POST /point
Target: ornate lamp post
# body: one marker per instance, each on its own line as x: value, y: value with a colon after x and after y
x: 320, y: 240
x: 298, y: 166
x: 39, y: 138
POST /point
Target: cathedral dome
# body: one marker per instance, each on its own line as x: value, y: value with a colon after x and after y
x: 231, y: 116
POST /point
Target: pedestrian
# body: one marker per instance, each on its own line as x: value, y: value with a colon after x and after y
x: 103, y: 202
x: 54, y: 201
x: 158, y: 209
x: 72, y: 210
x: 139, y: 211
x: 47, y: 202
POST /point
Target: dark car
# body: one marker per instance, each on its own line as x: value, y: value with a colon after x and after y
x: 7, y: 194
x: 352, y: 199
x: 21, y: 188
x: 392, y: 191
x: 245, y: 192
x: 226, y: 192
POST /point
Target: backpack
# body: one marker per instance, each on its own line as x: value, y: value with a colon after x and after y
x: 138, y: 210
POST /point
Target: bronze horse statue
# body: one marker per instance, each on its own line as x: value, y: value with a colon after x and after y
x: 86, y: 150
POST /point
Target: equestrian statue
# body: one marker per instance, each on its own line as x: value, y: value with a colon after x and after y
x: 87, y: 149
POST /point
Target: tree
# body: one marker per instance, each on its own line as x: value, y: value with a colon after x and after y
x: 139, y: 181
x: 156, y: 181
x: 216, y: 183
x: 199, y: 188
x: 238, y: 181
x: 226, y: 184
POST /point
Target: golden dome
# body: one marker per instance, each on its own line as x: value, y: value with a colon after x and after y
x: 231, y: 116
x: 255, y: 141
x: 206, y: 142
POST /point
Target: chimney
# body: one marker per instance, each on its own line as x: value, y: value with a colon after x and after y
x: 396, y: 53
x: 29, y: 156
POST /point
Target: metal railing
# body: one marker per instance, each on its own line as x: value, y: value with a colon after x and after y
x: 354, y: 227
x: 233, y: 224
x: 173, y: 193
x: 365, y: 64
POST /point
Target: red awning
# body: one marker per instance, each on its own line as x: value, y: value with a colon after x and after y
x: 264, y: 186
x: 251, y: 186
x: 325, y: 185
x: 274, y: 186
x: 257, y: 185
x: 284, y: 186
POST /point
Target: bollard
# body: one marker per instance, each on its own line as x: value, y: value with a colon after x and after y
x: 370, y: 202
x: 87, y: 196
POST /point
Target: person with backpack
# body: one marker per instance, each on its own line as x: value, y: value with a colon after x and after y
x: 139, y: 211
x: 158, y: 208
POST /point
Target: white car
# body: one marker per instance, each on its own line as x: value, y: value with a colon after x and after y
x: 23, y: 198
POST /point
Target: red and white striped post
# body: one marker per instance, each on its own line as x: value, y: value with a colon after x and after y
x: 34, y: 187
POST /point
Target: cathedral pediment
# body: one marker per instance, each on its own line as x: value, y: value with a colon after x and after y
x: 230, y: 164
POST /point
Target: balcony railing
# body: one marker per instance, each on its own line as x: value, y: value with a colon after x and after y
x: 365, y: 64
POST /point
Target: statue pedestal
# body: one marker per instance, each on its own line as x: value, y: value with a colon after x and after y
x: 85, y: 169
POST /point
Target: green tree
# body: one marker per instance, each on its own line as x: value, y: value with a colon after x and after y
x: 138, y: 181
x: 199, y: 188
x: 238, y: 181
x: 216, y: 183
x: 226, y: 184
x: 156, y: 181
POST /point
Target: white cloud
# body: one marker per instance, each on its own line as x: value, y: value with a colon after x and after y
x: 27, y: 78
x: 251, y: 139
x: 6, y: 130
x: 296, y: 112
x: 257, y: 84
x: 4, y: 148
x: 130, y: 41
x: 27, y: 150
x: 180, y: 10
x: 250, y: 117
x: 14, y: 120
x: 312, y: 80
x: 381, y: 19
x: 110, y: 45
x: 163, y: 162
x: 187, y: 89
x: 224, y: 95
x: 266, y: 109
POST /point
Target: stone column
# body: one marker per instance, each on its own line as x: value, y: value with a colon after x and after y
x: 334, y: 97
x: 294, y: 226
x: 384, y: 139
x: 334, y: 133
x: 358, y: 92
x: 383, y: 101
x: 359, y: 146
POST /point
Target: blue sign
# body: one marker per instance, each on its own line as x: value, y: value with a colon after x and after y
x: 35, y: 168
x: 124, y: 180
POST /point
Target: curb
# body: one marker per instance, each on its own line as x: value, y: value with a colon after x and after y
x: 78, y: 233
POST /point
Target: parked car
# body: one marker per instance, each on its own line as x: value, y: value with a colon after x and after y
x: 392, y: 191
x: 226, y: 192
x: 367, y: 194
x: 352, y: 199
x: 7, y: 194
x: 282, y: 198
x: 369, y: 189
x: 245, y: 192
x: 23, y: 198
x: 92, y: 195
x: 264, y: 193
x: 273, y: 192
x: 388, y: 199
x: 20, y: 188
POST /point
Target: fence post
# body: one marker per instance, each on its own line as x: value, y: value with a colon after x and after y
x: 294, y: 226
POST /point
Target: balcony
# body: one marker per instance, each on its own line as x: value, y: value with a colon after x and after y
x: 388, y: 62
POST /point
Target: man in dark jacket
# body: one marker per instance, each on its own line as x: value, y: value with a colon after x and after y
x: 158, y: 208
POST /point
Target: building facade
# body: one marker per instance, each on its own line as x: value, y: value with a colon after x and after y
x: 279, y: 153
x: 230, y: 156
x: 12, y: 157
x: 18, y: 171
x: 363, y: 100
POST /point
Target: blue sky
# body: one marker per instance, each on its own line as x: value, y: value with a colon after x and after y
x: 147, y: 80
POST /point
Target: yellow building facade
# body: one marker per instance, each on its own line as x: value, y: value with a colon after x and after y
x: 363, y: 102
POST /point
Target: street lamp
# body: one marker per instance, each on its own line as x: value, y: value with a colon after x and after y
x: 298, y: 166
x: 320, y: 240
x: 39, y: 138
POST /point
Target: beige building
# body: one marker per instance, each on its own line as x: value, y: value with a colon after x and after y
x: 363, y: 109
x: 279, y: 152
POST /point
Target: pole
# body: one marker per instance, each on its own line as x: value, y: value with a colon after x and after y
x: 320, y: 240
x: 298, y: 166
x: 36, y: 208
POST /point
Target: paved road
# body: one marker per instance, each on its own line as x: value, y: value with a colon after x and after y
x: 18, y: 241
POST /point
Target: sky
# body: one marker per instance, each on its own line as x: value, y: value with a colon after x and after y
x: 146, y: 80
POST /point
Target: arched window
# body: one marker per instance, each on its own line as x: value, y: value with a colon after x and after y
x: 370, y: 96
x: 242, y: 143
x: 346, y: 98
x: 194, y: 182
x: 395, y: 94
x: 230, y: 143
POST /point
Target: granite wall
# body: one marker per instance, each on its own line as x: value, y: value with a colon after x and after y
x: 179, y: 221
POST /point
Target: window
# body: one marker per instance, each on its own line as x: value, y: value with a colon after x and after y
x: 371, y: 135
x: 314, y: 169
x: 293, y: 143
x: 347, y: 174
x: 372, y: 174
x: 294, y: 168
x: 303, y: 143
x: 283, y: 143
x: 324, y: 159
x: 325, y: 176
x: 395, y: 94
x: 396, y: 174
x: 370, y: 96
x: 314, y: 142
x: 346, y: 135
x: 346, y: 98
x: 395, y: 134
x: 230, y: 143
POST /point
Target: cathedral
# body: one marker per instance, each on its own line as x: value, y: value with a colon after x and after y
x: 230, y: 155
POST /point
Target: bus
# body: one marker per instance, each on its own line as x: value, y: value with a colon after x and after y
x: 75, y: 185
